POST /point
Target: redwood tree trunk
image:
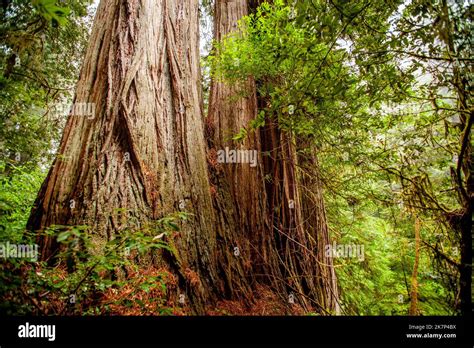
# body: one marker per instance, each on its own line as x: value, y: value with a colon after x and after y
x: 239, y: 185
x: 144, y: 154
x: 283, y: 228
x: 144, y: 151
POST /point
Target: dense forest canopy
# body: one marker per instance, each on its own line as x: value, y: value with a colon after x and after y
x: 352, y: 192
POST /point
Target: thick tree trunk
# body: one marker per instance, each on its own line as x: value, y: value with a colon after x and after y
x: 324, y: 283
x: 283, y: 229
x: 144, y: 151
x: 298, y: 214
x: 239, y: 185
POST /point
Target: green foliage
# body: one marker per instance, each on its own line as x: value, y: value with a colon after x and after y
x: 77, y: 284
x: 42, y: 45
x: 48, y: 9
x: 17, y: 193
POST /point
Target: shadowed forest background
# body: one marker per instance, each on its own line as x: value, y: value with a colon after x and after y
x: 236, y: 157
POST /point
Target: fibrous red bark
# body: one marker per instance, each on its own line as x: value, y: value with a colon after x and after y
x: 143, y: 152
x: 279, y: 208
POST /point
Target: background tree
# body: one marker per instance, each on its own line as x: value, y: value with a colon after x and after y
x: 430, y: 44
x: 42, y: 48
